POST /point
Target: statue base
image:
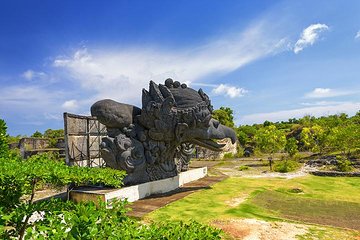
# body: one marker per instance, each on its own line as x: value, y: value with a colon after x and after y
x: 136, y: 192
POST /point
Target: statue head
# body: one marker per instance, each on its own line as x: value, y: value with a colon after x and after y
x: 157, y: 141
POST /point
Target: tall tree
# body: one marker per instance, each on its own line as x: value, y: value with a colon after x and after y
x: 345, y: 137
x: 225, y: 116
x: 37, y: 134
x: 291, y: 146
x: 270, y: 140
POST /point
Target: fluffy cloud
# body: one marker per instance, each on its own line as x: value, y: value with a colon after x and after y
x: 309, y: 36
x: 70, y: 105
x: 120, y: 74
x: 321, y: 103
x: 30, y: 105
x: 30, y: 75
x: 357, y: 36
x: 326, y: 93
x: 348, y: 107
x: 230, y: 91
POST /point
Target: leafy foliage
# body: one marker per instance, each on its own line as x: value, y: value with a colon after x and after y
x: 243, y: 168
x: 320, y: 135
x: 343, y: 164
x: 56, y: 219
x: 4, y: 149
x: 270, y: 140
x: 17, y: 176
x: 50, y: 133
x: 87, y: 220
x: 37, y: 134
x: 345, y: 137
x: 225, y: 116
x: 285, y: 166
x: 228, y: 155
x: 291, y: 146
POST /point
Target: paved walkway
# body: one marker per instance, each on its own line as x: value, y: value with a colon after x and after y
x: 149, y: 204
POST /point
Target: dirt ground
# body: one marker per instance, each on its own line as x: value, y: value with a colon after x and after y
x: 253, y: 229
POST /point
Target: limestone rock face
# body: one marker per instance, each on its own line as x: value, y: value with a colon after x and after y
x: 229, y: 147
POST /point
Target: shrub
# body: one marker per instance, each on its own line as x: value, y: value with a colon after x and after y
x: 228, y: 155
x: 286, y: 166
x: 20, y: 177
x: 343, y: 164
x: 87, y: 220
x: 4, y: 148
x: 243, y: 168
x: 239, y: 151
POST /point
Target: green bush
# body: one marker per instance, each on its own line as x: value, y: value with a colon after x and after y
x: 343, y: 164
x: 243, y: 168
x: 239, y: 151
x: 285, y: 166
x: 87, y: 220
x: 228, y: 156
x: 66, y: 220
x: 4, y: 148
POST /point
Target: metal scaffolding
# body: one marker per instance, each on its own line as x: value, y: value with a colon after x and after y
x: 82, y: 140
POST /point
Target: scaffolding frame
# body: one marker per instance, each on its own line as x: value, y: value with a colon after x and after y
x: 83, y: 136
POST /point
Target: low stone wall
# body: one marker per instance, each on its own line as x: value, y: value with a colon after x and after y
x: 30, y: 146
x: 335, y: 174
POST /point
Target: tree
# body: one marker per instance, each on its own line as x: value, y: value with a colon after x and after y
x: 245, y: 134
x: 345, y: 137
x: 306, y: 121
x: 37, y: 134
x: 270, y: 140
x: 54, y: 135
x: 291, y: 146
x: 307, y: 139
x: 267, y: 123
x: 320, y: 136
x: 50, y: 133
x: 225, y: 116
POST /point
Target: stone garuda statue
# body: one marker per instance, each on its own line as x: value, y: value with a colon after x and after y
x: 157, y: 141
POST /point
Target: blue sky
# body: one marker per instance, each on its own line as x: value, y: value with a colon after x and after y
x: 267, y: 60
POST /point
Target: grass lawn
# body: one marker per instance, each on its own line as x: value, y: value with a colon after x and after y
x: 321, y: 200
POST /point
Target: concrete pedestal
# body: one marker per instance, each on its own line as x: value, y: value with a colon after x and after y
x: 136, y: 192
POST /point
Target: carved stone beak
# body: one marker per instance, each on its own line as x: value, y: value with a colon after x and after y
x: 204, y: 137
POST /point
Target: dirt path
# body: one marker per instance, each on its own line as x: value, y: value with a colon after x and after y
x: 253, y: 229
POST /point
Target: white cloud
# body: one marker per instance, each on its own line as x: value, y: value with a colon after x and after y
x: 348, y: 107
x: 70, y: 105
x: 321, y: 103
x: 30, y: 102
x: 230, y: 91
x: 309, y: 36
x: 357, y: 36
x: 30, y: 75
x: 120, y: 74
x: 327, y: 92
x: 53, y: 116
